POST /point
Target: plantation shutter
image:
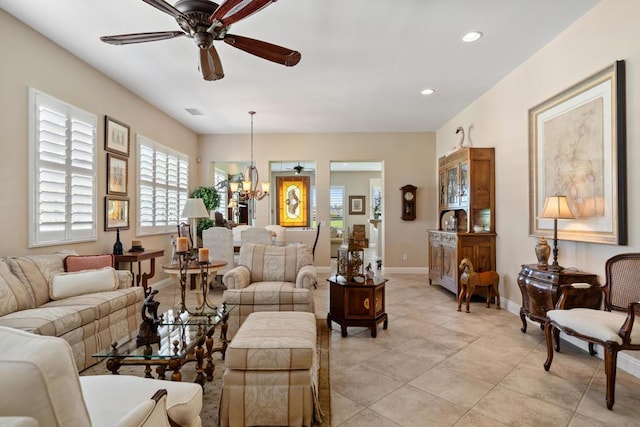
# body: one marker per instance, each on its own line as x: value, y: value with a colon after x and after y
x: 336, y: 203
x: 163, y: 187
x: 63, y: 175
x: 219, y: 177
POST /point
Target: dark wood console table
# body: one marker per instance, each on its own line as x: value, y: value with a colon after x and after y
x: 541, y: 289
x: 357, y: 304
x: 133, y: 257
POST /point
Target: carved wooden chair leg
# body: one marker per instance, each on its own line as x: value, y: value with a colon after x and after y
x: 556, y: 338
x: 489, y: 296
x: 548, y: 335
x: 610, y: 361
x: 497, y: 295
x: 592, y: 349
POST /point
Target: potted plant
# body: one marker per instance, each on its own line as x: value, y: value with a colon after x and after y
x: 211, y: 200
x: 376, y: 208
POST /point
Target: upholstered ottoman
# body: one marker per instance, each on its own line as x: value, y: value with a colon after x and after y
x: 271, y: 372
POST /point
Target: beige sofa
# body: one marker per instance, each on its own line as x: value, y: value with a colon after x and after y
x: 89, y: 309
x: 269, y: 278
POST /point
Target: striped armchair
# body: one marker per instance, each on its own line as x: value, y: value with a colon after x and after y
x: 269, y: 278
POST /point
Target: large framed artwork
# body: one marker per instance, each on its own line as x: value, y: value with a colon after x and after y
x: 292, y: 195
x: 116, y: 213
x: 577, y: 148
x: 117, y: 174
x: 356, y: 205
x: 116, y: 136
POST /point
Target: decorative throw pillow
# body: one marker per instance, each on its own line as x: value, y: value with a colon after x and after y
x: 88, y: 262
x: 65, y: 285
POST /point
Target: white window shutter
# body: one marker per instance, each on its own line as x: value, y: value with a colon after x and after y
x: 163, y: 187
x: 62, y: 204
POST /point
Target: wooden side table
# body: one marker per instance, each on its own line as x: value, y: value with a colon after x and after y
x: 355, y: 304
x: 541, y: 289
x: 138, y: 257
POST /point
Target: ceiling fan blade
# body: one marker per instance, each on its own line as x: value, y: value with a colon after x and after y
x: 166, y: 8
x: 234, y: 10
x: 268, y: 51
x: 210, y: 64
x: 140, y: 37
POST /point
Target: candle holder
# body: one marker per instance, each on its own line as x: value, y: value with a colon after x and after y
x: 187, y: 259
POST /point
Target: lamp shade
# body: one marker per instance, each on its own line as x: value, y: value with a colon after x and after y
x: 194, y: 208
x: 556, y: 207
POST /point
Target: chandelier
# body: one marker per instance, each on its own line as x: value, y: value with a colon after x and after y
x: 249, y: 189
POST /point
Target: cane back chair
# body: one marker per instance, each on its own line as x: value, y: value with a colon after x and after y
x: 613, y: 328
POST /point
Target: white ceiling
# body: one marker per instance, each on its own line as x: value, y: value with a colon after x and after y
x: 364, y: 62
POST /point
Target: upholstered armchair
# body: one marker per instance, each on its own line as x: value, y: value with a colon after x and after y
x: 40, y: 382
x: 269, y: 278
x: 615, y: 328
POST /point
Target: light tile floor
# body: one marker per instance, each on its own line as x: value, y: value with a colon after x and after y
x: 435, y: 366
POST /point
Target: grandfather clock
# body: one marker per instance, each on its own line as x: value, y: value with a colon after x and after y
x: 408, y: 202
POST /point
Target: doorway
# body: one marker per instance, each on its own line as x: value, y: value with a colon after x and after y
x: 357, y: 198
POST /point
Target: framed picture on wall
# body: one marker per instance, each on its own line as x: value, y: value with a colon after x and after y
x: 356, y: 205
x: 116, y: 136
x: 577, y: 146
x: 292, y: 195
x: 116, y: 213
x: 117, y: 174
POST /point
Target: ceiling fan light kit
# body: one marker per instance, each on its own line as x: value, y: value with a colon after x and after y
x: 205, y: 22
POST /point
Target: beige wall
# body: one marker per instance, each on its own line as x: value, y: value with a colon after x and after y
x: 408, y: 158
x: 30, y: 60
x: 608, y: 32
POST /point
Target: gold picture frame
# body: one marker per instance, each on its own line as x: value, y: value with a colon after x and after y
x: 116, y: 213
x: 293, y: 195
x: 117, y: 137
x: 117, y: 174
x: 577, y: 148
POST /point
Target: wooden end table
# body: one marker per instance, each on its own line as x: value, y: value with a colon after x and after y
x: 133, y: 257
x: 541, y: 289
x: 357, y: 304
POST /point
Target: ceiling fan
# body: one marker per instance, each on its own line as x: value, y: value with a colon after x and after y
x: 205, y: 21
x: 299, y: 168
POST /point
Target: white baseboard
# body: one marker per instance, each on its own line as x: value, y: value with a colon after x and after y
x: 405, y: 270
x: 626, y: 362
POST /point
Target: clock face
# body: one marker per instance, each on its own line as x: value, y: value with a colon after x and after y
x: 408, y: 196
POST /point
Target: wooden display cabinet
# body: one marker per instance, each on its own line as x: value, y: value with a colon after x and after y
x: 466, y: 183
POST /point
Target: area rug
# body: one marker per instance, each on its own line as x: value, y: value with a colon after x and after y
x: 211, y: 396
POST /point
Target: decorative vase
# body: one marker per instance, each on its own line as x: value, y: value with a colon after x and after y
x: 543, y: 250
x: 118, y: 249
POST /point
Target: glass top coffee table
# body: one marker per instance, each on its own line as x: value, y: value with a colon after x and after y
x: 181, y: 338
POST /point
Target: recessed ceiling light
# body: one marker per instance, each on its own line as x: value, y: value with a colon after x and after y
x: 472, y: 36
x: 428, y: 92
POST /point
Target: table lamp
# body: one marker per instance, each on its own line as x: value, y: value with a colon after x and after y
x: 194, y: 209
x: 556, y: 207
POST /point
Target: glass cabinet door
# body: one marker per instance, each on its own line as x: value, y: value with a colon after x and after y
x: 442, y: 183
x: 452, y: 186
x: 464, y: 184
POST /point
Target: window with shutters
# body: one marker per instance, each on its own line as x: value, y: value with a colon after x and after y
x: 220, y: 176
x: 336, y: 201
x: 62, y: 174
x: 163, y: 179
